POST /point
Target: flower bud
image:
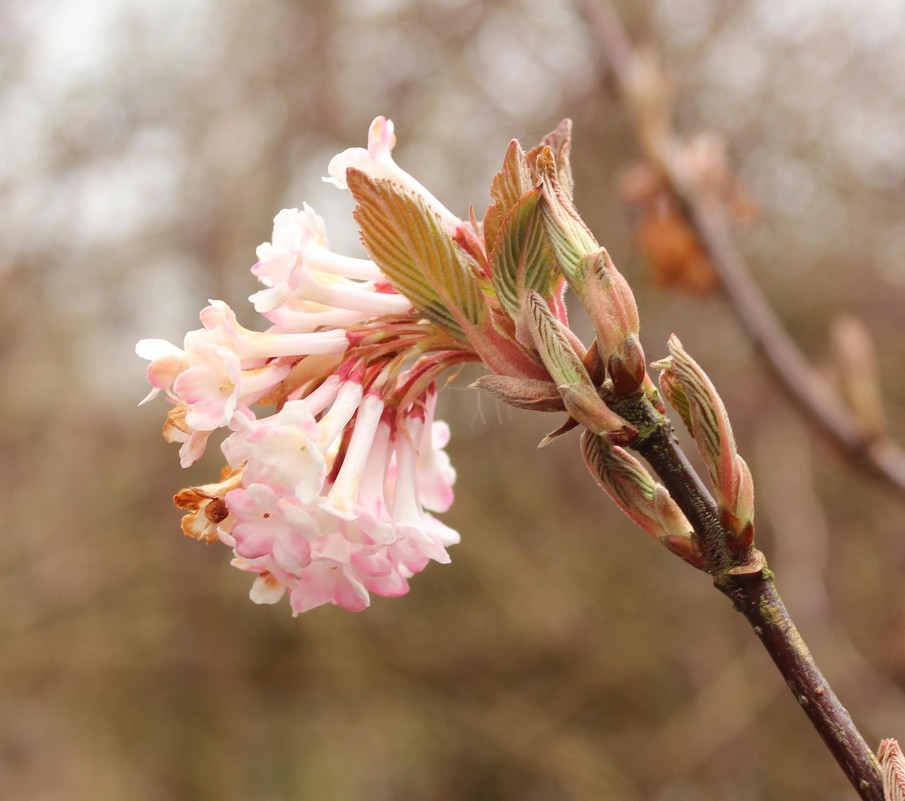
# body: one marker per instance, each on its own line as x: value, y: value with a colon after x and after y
x: 892, y: 767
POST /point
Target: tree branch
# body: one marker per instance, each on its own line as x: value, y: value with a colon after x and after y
x: 755, y: 596
x: 746, y: 580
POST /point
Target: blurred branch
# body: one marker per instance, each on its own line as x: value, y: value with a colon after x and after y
x: 641, y: 85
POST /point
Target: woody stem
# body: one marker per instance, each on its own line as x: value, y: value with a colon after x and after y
x: 745, y: 579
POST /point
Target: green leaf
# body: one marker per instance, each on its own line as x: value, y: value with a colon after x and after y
x: 409, y: 243
x: 521, y: 258
x: 567, y: 234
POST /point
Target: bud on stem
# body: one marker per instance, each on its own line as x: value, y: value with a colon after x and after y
x: 636, y: 493
x: 610, y: 304
x: 692, y: 394
x: 892, y: 766
x: 603, y: 290
x: 569, y: 374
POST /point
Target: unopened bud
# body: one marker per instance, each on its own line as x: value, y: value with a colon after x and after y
x: 627, y: 367
x: 635, y: 492
x: 611, y: 306
x: 739, y: 519
x: 702, y: 410
x: 892, y: 767
x: 856, y: 369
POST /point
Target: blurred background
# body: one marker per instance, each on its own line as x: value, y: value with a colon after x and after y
x: 563, y: 655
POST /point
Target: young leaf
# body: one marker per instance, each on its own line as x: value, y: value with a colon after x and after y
x: 559, y: 141
x: 521, y: 258
x: 507, y: 187
x: 409, y: 243
x: 569, y: 237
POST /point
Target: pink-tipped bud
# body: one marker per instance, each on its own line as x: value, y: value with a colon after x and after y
x: 892, y: 766
x: 635, y: 492
x: 611, y: 306
x: 627, y: 367
x: 693, y: 395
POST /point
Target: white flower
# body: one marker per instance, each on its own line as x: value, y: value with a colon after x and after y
x: 309, y: 286
x: 377, y: 162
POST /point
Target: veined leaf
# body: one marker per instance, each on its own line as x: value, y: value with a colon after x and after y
x: 559, y: 357
x: 521, y: 258
x: 567, y: 234
x: 507, y: 187
x: 409, y: 243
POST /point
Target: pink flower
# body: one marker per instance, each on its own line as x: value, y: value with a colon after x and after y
x: 309, y: 286
x: 328, y: 535
x: 283, y: 451
x: 222, y: 328
x: 408, y: 515
x: 342, y: 500
x: 167, y: 362
x: 330, y: 579
x: 266, y: 523
x: 325, y: 497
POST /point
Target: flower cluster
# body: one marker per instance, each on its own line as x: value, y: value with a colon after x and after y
x: 329, y: 497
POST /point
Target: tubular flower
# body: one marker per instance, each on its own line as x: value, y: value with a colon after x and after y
x: 334, y: 461
x: 376, y: 161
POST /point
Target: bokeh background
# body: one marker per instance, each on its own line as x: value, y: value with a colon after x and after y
x: 145, y: 148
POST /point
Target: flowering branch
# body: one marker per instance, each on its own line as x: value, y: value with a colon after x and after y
x: 329, y: 498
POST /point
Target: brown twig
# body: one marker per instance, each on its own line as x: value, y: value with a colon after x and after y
x: 746, y: 580
x: 755, y: 596
x: 706, y: 215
